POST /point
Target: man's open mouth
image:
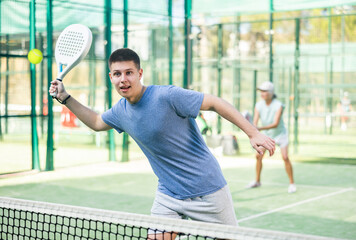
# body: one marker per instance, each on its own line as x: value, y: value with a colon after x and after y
x: 125, y: 87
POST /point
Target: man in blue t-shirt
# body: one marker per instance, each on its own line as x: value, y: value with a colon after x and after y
x: 161, y: 119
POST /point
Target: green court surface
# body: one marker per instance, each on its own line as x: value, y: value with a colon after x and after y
x: 315, y: 147
x: 323, y: 205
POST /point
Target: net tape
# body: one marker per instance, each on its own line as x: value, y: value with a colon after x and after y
x: 33, y: 210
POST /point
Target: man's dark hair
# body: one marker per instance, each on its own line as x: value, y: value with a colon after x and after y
x: 123, y: 55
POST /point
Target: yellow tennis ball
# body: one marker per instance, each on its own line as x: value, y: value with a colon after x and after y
x: 35, y: 56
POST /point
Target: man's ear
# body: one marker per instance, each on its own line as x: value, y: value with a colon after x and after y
x: 140, y: 72
x: 110, y: 76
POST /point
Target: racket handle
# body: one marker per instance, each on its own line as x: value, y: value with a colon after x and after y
x: 54, y: 94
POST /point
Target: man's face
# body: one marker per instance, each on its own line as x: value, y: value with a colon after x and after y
x: 126, y: 78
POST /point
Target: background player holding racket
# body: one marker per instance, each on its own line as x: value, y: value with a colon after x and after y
x: 161, y: 119
x: 270, y: 110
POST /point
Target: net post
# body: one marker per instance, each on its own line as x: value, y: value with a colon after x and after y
x: 34, y: 134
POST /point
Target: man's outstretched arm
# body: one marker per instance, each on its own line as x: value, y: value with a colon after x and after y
x: 227, y: 111
x: 90, y: 118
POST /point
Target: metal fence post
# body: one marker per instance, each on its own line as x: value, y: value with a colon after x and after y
x: 42, y: 88
x: 296, y: 82
x: 125, y: 137
x: 34, y: 135
x: 270, y: 42
x: 188, y: 43
x: 219, y: 66
x: 289, y: 99
x: 154, y: 79
x: 331, y: 75
x: 254, y: 93
x: 112, y: 155
x: 237, y: 69
x: 50, y: 141
x: 170, y: 43
x: 7, y: 84
x: 1, y: 134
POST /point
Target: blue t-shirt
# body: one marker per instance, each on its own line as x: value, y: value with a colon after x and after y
x: 163, y: 125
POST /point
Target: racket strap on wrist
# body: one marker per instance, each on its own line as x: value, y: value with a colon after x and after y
x: 64, y: 101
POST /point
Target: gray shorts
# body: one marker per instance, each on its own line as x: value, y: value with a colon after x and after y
x: 214, y: 208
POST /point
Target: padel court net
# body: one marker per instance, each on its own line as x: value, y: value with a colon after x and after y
x: 23, y: 219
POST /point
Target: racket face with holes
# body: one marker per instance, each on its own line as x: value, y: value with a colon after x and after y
x: 72, y: 46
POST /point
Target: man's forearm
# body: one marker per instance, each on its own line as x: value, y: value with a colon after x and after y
x: 86, y: 115
x: 83, y: 113
x: 227, y: 111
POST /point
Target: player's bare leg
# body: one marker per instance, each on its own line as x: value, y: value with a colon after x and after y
x: 287, y: 163
x: 259, y: 158
x: 289, y: 169
x: 257, y: 182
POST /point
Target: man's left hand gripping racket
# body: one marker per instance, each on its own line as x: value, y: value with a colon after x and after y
x: 72, y: 46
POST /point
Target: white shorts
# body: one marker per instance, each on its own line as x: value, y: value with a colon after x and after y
x: 214, y: 208
x: 282, y: 140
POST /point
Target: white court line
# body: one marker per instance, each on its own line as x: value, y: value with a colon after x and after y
x: 286, y: 184
x: 295, y: 204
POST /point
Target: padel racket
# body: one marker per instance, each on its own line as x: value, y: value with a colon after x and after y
x: 72, y: 46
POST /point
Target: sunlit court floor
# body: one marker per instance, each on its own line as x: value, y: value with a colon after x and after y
x: 324, y: 205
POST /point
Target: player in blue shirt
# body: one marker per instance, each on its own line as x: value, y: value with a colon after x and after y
x: 161, y: 119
